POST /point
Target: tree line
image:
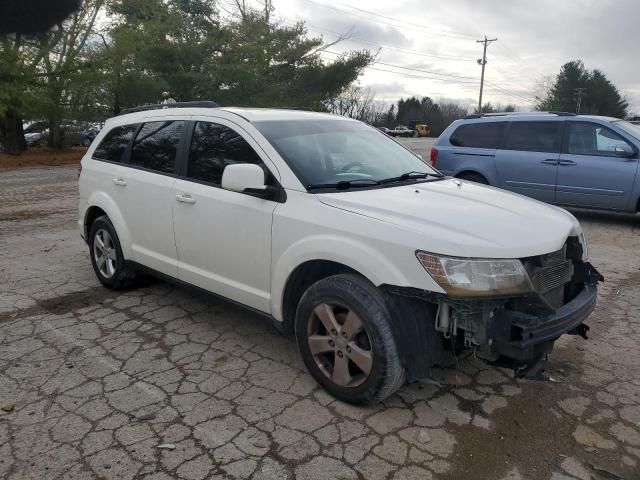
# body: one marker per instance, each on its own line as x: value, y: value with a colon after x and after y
x: 113, y: 54
x: 109, y: 55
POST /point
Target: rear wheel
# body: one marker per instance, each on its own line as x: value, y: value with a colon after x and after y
x: 107, y: 259
x: 344, y: 335
x: 474, y: 177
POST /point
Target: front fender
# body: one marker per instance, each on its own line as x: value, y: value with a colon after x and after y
x: 373, y: 264
x: 105, y: 202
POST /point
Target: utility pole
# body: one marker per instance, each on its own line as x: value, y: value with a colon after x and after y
x: 483, y: 61
x: 579, y: 92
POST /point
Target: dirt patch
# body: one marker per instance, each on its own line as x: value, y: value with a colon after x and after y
x: 75, y: 301
x: 35, y: 157
x: 528, y: 436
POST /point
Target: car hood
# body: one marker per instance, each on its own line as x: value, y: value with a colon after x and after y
x: 460, y: 218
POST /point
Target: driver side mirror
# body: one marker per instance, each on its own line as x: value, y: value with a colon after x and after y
x: 624, y: 151
x: 247, y: 178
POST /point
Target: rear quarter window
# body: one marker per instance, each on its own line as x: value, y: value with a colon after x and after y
x: 478, y: 135
x: 114, y: 143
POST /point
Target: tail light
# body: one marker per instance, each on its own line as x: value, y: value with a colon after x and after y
x: 79, y: 171
x: 434, y: 156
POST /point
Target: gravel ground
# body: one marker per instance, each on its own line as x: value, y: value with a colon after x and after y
x: 99, y: 381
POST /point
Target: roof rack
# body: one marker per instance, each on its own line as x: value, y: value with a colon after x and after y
x: 503, y: 114
x: 161, y: 106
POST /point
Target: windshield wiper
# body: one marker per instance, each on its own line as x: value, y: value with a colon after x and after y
x: 411, y: 176
x: 345, y: 184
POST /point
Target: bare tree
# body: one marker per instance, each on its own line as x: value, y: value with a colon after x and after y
x: 359, y: 103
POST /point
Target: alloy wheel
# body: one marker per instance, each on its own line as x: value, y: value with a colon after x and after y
x: 104, y: 253
x: 339, y: 344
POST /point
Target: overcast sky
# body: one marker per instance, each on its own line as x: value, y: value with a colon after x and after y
x: 435, y: 42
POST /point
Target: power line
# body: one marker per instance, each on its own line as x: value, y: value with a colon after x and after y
x: 405, y: 22
x: 402, y: 22
x: 429, y: 72
x: 354, y: 39
x: 473, y: 81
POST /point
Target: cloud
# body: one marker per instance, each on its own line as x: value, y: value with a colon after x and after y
x: 534, y: 39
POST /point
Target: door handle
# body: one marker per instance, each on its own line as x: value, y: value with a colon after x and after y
x: 121, y: 182
x: 551, y: 161
x: 567, y: 162
x: 185, y: 198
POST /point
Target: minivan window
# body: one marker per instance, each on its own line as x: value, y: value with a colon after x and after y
x: 478, y: 135
x: 534, y: 136
x: 115, y: 143
x: 213, y: 147
x: 592, y: 139
x: 156, y: 145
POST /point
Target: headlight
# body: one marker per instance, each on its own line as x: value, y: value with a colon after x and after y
x: 464, y: 277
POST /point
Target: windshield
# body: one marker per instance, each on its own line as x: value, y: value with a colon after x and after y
x: 330, y: 152
x: 630, y: 128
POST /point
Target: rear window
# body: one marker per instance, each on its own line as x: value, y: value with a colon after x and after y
x: 156, y: 145
x: 478, y: 135
x: 115, y: 143
x: 534, y: 136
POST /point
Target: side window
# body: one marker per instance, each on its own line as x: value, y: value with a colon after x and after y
x: 215, y: 146
x: 156, y: 145
x: 478, y: 135
x: 592, y: 139
x: 115, y: 143
x: 534, y: 136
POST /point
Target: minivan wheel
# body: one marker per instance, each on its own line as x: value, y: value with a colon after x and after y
x: 108, y: 262
x: 474, y: 177
x: 344, y: 335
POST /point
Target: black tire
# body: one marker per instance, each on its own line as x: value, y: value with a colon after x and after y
x: 356, y: 294
x: 123, y: 276
x: 474, y: 177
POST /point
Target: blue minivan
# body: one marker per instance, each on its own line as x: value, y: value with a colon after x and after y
x: 562, y: 158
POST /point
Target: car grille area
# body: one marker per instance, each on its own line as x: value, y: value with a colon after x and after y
x: 549, y: 274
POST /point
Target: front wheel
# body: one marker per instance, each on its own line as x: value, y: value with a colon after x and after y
x: 344, y: 335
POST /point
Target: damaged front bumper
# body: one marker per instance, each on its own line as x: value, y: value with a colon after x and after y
x: 509, y: 331
x: 522, y: 337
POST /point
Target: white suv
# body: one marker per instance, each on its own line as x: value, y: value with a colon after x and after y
x: 336, y: 233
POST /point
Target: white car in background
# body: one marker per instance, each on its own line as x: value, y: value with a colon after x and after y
x: 336, y: 233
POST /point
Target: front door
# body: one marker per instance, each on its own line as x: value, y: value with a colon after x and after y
x: 528, y: 162
x: 590, y: 173
x: 223, y: 237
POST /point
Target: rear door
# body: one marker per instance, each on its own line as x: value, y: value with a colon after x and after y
x: 528, y: 162
x: 590, y: 174
x: 145, y: 193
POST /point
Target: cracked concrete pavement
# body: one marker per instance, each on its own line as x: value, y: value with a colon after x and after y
x: 100, y: 380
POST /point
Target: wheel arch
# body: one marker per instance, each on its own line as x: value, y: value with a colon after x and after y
x: 300, y: 279
x: 101, y: 204
x: 469, y: 171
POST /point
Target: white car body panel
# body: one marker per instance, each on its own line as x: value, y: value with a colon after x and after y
x: 245, y: 248
x: 463, y: 219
